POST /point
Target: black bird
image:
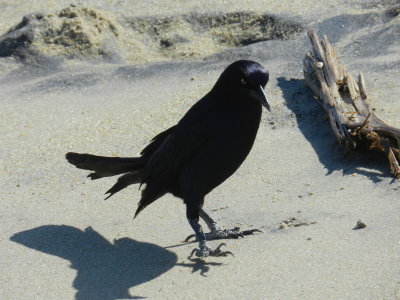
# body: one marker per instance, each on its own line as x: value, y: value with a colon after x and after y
x: 196, y: 155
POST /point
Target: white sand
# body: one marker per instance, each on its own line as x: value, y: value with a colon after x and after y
x: 296, y: 169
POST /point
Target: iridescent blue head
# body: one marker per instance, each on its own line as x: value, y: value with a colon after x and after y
x: 245, y: 76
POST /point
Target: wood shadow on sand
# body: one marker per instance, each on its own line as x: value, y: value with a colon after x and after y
x: 314, y: 125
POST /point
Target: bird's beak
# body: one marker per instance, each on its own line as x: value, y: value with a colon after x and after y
x: 260, y: 95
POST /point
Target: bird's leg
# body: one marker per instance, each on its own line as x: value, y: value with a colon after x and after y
x: 193, y: 207
x: 204, y: 250
x: 217, y: 232
x: 212, y: 225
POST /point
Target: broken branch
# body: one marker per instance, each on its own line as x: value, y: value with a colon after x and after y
x: 346, y: 102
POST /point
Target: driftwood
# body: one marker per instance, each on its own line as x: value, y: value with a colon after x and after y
x: 348, y: 106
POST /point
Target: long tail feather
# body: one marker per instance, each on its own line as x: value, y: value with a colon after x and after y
x: 104, y: 166
x: 123, y: 182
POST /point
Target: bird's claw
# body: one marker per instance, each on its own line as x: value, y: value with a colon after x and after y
x: 233, y: 233
x: 217, y: 234
x: 225, y: 234
x: 189, y: 237
x: 205, y: 251
x: 250, y: 232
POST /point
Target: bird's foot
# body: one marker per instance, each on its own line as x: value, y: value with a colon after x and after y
x: 204, y: 251
x: 219, y: 233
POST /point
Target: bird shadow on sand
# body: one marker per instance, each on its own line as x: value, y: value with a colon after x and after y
x: 314, y: 125
x: 105, y: 270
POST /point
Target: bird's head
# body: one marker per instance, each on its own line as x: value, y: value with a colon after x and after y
x: 245, y: 77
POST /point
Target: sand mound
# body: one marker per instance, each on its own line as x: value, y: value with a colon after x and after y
x: 81, y: 32
x: 198, y: 35
x: 75, y: 31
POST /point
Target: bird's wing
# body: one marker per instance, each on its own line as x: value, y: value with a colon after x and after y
x: 175, y: 149
x: 156, y: 142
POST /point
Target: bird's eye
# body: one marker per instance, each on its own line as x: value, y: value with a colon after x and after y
x: 243, y: 81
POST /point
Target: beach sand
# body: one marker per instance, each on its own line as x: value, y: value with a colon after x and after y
x: 109, y: 86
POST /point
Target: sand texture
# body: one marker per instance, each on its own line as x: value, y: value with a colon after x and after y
x: 104, y: 77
